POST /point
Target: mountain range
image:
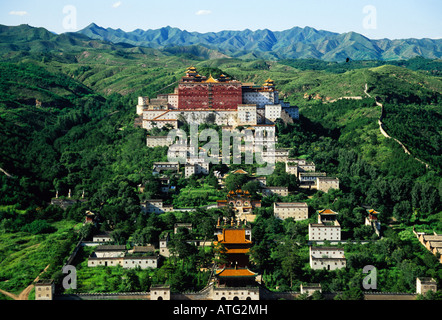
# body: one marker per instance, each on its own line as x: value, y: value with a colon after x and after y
x: 295, y: 43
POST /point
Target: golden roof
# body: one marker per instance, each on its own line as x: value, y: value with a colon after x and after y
x: 327, y: 211
x: 211, y: 80
x: 233, y: 236
x: 269, y: 82
x: 244, y: 272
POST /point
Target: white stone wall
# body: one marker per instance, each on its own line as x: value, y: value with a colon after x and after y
x: 324, y: 232
x: 260, y: 98
x: 189, y: 170
x: 285, y: 210
x: 231, y: 293
x: 291, y: 168
x: 109, y: 262
x: 247, y: 115
x: 158, y: 141
x: 44, y: 292
x: 272, y: 112
x: 325, y: 184
x: 172, y: 100
x: 142, y: 262
x: 159, y: 293
x: 283, y: 192
x: 329, y: 258
x: 109, y: 254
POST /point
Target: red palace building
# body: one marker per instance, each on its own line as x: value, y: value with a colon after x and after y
x: 199, y: 93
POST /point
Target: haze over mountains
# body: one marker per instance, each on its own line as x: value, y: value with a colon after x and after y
x: 289, y: 44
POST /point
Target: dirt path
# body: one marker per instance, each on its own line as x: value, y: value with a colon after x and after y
x: 24, y: 295
x: 7, y: 174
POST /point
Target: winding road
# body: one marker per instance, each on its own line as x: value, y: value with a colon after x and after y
x: 24, y: 295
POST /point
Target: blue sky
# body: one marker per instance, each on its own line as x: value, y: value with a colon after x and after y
x: 394, y: 19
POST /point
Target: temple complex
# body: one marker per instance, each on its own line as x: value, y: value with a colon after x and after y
x: 222, y: 101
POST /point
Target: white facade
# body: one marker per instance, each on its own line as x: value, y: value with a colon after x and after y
x: 165, y: 166
x: 273, y: 112
x: 423, y: 285
x: 155, y: 206
x: 247, y: 114
x: 235, y: 294
x: 281, y: 191
x: 44, y: 289
x: 296, y: 210
x: 158, y: 141
x: 295, y: 168
x: 189, y: 170
x: 277, y: 155
x: 125, y: 262
x: 104, y: 262
x: 310, y: 288
x: 159, y: 293
x: 102, y: 238
x: 260, y: 98
x: 105, y: 251
x: 172, y: 100
x: 324, y: 231
x: 326, y: 183
x: 142, y: 262
x: 329, y: 258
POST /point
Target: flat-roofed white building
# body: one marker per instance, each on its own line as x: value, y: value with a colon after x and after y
x: 281, y: 191
x: 155, y: 206
x: 132, y: 262
x: 158, y: 141
x: 324, y: 231
x: 326, y: 183
x: 279, y: 155
x: 291, y: 168
x: 166, y: 166
x: 310, y: 288
x: 329, y: 258
x: 425, y: 284
x: 44, y: 289
x: 295, y: 168
x: 247, y: 114
x: 104, y: 237
x: 110, y: 251
x: 272, y: 112
x: 296, y: 210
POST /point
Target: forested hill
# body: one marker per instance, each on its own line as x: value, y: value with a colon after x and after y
x: 67, y: 107
x: 294, y: 43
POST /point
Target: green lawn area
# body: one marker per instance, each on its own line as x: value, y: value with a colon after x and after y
x: 23, y: 256
x: 202, y: 195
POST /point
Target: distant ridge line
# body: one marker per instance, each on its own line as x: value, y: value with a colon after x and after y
x: 295, y: 43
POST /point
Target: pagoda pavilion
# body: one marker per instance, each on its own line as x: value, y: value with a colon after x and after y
x: 234, y: 271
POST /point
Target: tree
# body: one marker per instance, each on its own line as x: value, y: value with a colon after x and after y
x: 289, y: 259
x: 402, y: 211
x: 234, y: 182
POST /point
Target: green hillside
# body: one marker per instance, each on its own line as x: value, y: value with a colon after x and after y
x: 67, y: 110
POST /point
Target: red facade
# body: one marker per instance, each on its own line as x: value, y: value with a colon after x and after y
x: 203, y: 95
